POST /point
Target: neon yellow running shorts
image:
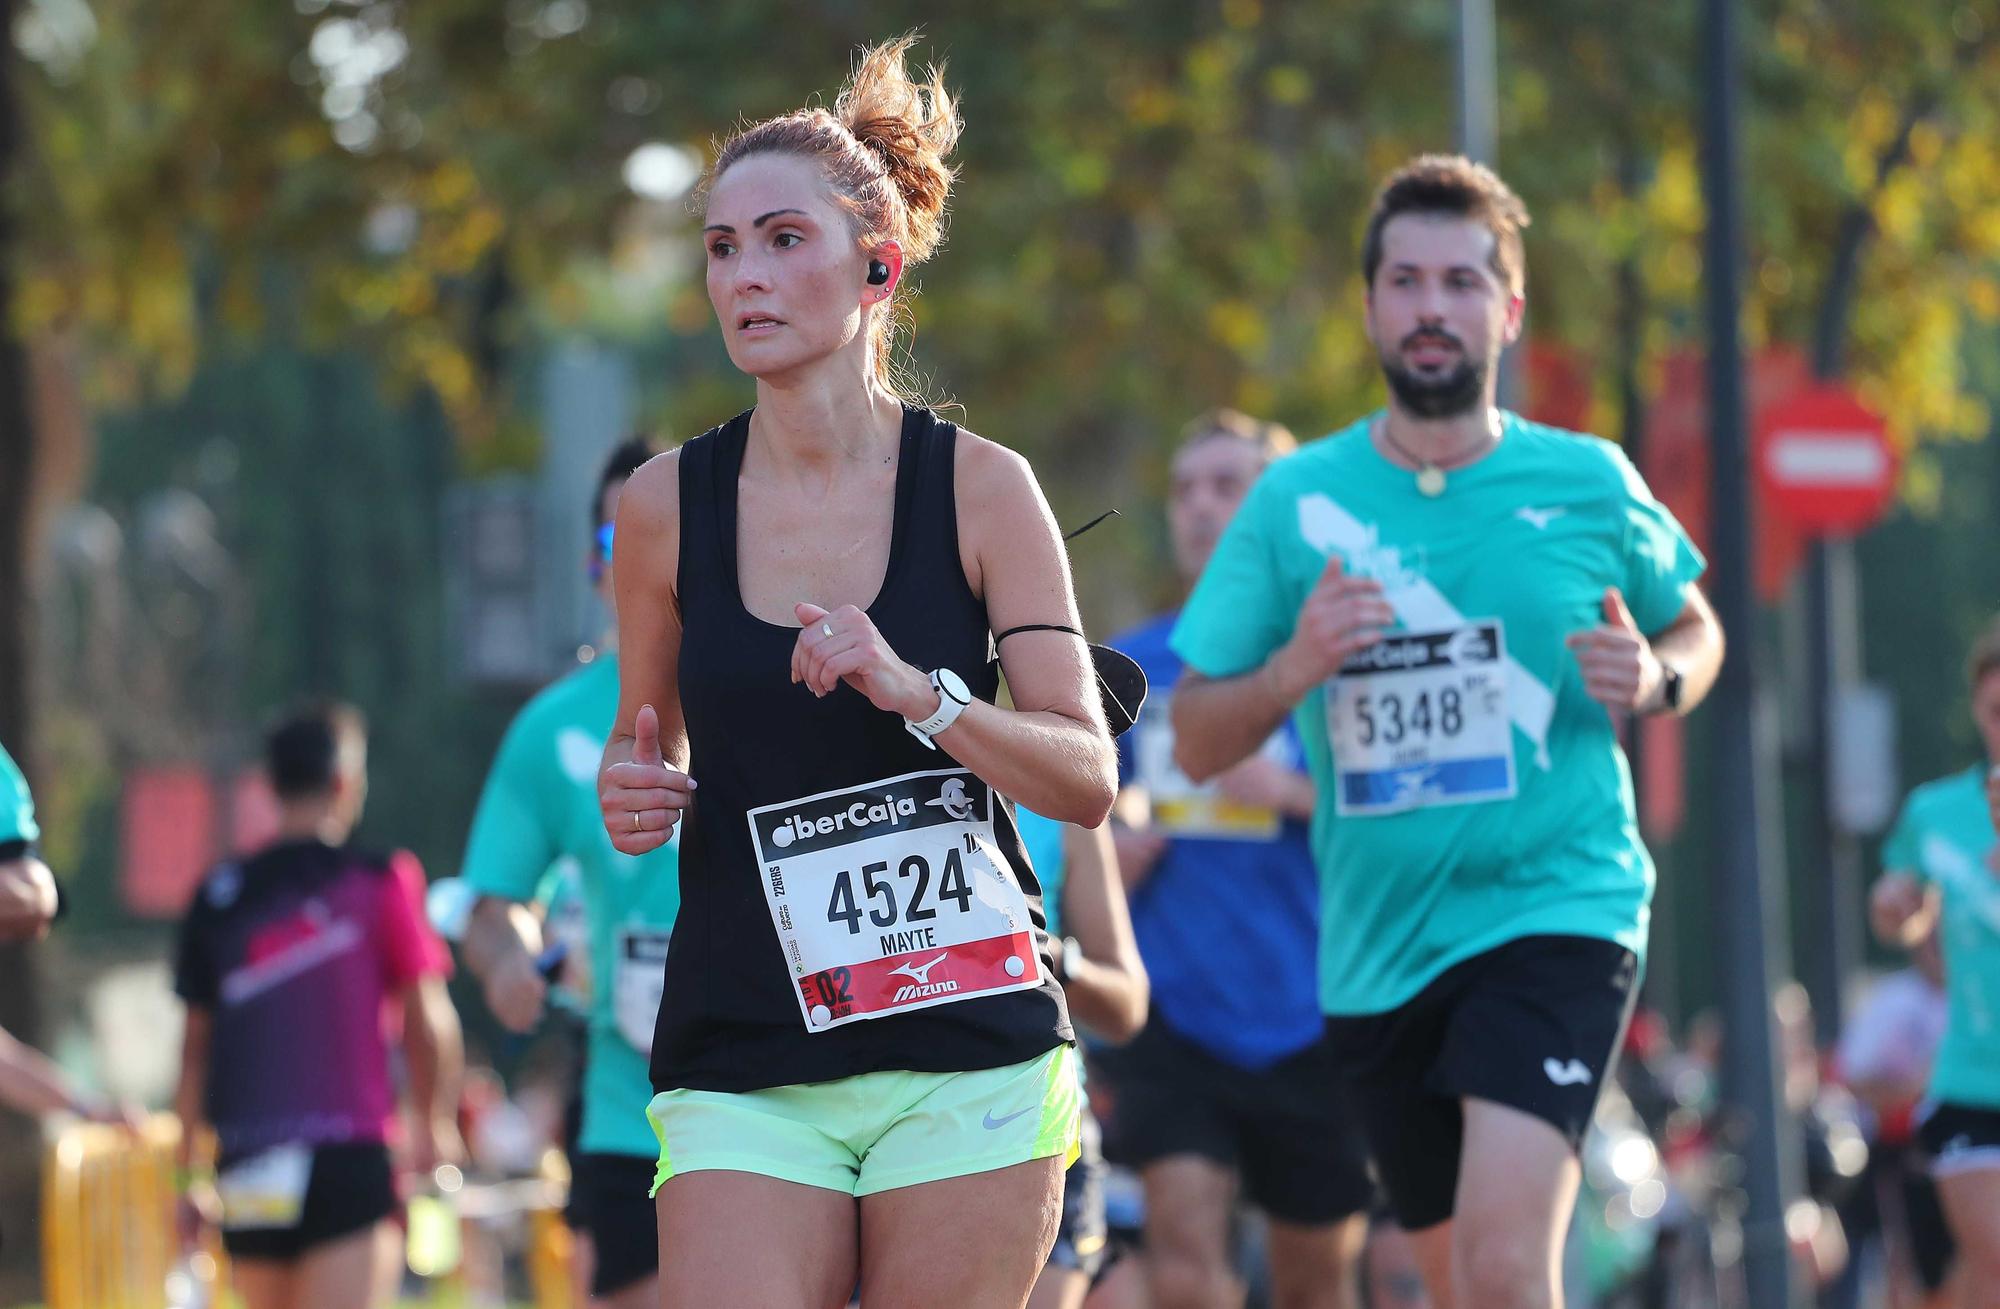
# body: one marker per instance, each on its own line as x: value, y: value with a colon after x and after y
x: 877, y: 1131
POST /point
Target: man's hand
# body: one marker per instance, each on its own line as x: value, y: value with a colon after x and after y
x: 198, y: 1209
x: 27, y: 898
x: 517, y: 993
x: 1896, y: 901
x: 1341, y: 615
x: 1261, y: 782
x: 1620, y: 670
x: 433, y: 1142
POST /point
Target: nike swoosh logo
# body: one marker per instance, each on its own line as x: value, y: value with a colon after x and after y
x: 1573, y: 1073
x: 993, y: 1124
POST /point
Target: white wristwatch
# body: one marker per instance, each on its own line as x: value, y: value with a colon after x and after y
x: 952, y: 699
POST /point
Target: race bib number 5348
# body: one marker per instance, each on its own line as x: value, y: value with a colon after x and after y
x: 1421, y: 719
x: 893, y: 895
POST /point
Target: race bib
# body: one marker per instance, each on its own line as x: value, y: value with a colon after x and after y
x: 638, y: 982
x: 265, y: 1190
x: 1181, y: 807
x: 1421, y: 719
x: 893, y: 895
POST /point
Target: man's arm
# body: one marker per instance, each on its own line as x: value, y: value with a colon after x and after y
x: 1107, y: 986
x: 31, y: 1082
x: 1220, y: 722
x: 191, y: 1089
x: 27, y: 896
x: 435, y: 1052
x: 501, y: 942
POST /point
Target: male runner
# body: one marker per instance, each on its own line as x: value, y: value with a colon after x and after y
x: 539, y: 806
x: 1228, y: 1086
x: 1456, y: 603
x: 299, y: 966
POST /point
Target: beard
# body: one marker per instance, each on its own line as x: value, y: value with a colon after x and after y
x: 1444, y: 395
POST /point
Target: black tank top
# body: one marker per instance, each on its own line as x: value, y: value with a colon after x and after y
x: 827, y: 818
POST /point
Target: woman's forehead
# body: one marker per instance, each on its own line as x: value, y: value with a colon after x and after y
x: 765, y: 184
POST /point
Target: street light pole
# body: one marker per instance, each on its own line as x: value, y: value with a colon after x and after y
x: 1747, y: 863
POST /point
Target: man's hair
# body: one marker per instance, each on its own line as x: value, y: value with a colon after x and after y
x: 623, y: 461
x: 1453, y: 185
x: 1272, y: 440
x: 1985, y: 656
x: 302, y: 753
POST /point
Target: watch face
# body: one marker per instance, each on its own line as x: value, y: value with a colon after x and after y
x: 953, y: 685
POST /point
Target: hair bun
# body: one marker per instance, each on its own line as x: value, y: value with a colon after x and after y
x: 911, y: 127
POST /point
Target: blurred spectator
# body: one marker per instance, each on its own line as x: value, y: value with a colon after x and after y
x: 1885, y: 1059
x: 299, y: 965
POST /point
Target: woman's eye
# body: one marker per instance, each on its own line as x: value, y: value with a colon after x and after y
x: 786, y: 240
x: 721, y: 250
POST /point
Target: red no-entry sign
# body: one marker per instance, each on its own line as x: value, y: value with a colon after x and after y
x: 1825, y: 462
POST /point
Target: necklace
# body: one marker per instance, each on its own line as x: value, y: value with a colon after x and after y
x: 1430, y: 473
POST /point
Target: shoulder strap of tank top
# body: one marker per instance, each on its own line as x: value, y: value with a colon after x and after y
x: 926, y: 494
x: 708, y: 464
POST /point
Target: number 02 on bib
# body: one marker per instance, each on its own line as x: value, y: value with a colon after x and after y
x: 893, y: 895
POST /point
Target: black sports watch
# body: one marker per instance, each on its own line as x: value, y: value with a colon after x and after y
x: 1671, y: 683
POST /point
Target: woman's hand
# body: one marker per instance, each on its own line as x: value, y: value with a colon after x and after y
x: 641, y: 797
x: 844, y: 646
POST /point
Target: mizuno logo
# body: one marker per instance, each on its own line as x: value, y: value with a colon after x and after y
x: 920, y: 973
x: 1573, y: 1073
x: 920, y: 986
x: 1539, y: 519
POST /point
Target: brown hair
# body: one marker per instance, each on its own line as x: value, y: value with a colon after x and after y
x: 882, y: 149
x: 1272, y: 440
x: 1985, y: 656
x: 1455, y: 185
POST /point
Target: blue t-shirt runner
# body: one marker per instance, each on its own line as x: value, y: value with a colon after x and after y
x: 1228, y: 916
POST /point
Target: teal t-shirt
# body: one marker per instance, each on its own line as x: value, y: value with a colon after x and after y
x: 17, y: 807
x: 1945, y: 836
x: 1470, y: 791
x: 540, y: 805
x: 1043, y: 838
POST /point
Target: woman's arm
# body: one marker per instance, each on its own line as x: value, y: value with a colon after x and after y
x: 1052, y: 751
x: 1107, y: 987
x: 643, y: 785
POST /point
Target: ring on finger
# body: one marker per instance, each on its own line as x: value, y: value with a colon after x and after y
x: 826, y: 629
x: 637, y: 823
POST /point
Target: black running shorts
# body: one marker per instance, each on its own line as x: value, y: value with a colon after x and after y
x: 1533, y: 1024
x: 610, y: 1201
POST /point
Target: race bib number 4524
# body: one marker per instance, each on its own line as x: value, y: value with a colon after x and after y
x: 1421, y: 719
x: 893, y: 895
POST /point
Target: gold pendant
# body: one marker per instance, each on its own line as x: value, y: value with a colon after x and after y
x: 1430, y: 480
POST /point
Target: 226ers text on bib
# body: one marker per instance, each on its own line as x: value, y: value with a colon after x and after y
x: 893, y: 895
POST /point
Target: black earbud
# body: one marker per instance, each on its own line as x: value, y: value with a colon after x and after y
x: 878, y: 273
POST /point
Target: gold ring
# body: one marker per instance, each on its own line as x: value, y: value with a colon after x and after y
x: 636, y: 824
x: 826, y: 629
